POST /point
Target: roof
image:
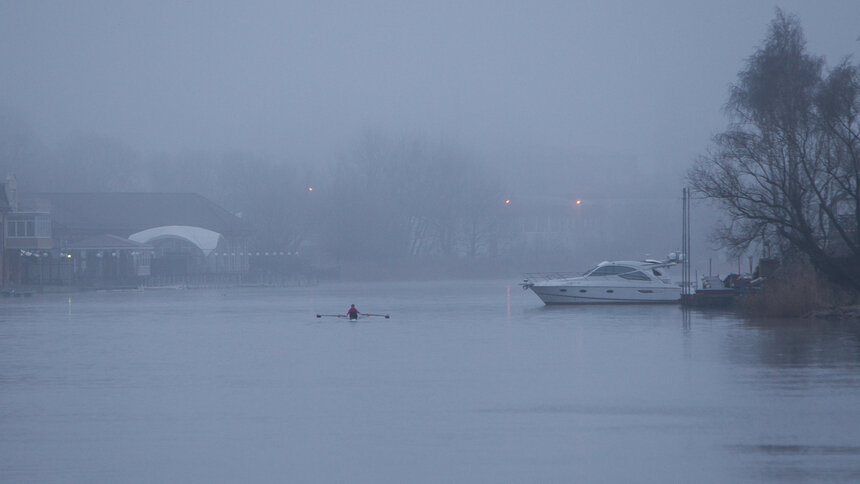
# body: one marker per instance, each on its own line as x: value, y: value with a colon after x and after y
x: 205, y: 240
x: 124, y: 214
x: 105, y: 242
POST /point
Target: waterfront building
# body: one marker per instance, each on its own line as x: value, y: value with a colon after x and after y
x: 120, y: 239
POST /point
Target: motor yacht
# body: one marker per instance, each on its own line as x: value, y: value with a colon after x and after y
x: 645, y: 281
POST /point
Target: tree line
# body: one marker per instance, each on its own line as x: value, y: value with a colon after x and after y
x: 384, y: 199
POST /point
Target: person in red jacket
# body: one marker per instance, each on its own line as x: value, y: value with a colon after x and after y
x: 352, y: 313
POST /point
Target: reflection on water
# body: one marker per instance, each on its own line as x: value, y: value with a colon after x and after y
x: 798, y: 449
x: 467, y: 382
x: 802, y: 342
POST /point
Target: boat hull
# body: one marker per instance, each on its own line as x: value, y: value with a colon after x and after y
x: 558, y: 294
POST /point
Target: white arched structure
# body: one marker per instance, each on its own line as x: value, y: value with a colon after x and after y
x: 206, y: 240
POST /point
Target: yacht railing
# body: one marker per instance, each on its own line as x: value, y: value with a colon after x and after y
x: 550, y: 276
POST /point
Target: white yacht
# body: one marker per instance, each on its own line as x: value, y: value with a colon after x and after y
x: 645, y: 281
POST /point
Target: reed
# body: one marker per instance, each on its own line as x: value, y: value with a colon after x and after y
x: 794, y: 291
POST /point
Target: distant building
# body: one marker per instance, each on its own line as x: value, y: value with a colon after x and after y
x: 5, y: 207
x: 26, y: 232
x: 120, y: 239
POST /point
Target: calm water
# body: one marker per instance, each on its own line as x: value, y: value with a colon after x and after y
x: 467, y: 382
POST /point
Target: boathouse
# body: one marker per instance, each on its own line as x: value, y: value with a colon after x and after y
x: 121, y: 239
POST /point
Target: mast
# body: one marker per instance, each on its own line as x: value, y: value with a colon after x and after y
x: 686, y: 286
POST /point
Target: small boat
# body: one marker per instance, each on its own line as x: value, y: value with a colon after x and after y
x: 359, y: 316
x: 645, y: 281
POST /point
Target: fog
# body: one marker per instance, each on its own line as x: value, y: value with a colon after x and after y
x: 427, y: 116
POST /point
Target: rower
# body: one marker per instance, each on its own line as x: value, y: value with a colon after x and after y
x: 352, y: 313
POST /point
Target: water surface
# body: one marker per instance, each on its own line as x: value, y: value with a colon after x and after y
x: 467, y: 382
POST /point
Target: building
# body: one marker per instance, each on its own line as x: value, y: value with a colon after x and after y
x: 120, y: 239
x: 26, y: 234
x: 4, y: 209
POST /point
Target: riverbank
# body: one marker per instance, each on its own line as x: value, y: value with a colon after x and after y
x: 797, y: 291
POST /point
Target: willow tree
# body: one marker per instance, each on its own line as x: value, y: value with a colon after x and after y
x: 786, y: 171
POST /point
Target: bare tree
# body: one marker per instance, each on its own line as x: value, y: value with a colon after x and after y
x: 786, y: 171
x: 409, y: 198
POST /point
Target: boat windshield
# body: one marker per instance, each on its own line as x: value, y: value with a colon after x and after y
x: 611, y: 271
x: 625, y: 272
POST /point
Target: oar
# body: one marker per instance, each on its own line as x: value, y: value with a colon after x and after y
x: 380, y: 315
x: 331, y: 315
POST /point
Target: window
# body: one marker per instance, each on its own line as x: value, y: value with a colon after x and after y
x: 28, y: 226
x: 611, y: 270
x: 43, y: 226
x: 636, y: 276
x: 20, y: 228
x: 622, y: 271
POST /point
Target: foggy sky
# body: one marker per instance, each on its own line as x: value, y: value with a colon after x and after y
x: 300, y: 81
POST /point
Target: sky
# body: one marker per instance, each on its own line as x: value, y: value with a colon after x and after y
x: 303, y: 80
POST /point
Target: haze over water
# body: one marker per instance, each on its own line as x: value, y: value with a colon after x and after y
x: 467, y: 382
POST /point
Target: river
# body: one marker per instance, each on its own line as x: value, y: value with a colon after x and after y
x: 468, y: 381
